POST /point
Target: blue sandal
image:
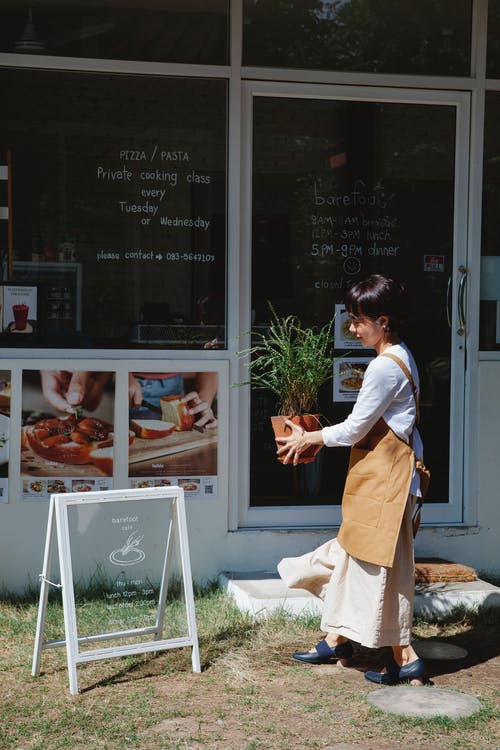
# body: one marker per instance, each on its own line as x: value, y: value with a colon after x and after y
x: 324, y: 654
x: 395, y: 674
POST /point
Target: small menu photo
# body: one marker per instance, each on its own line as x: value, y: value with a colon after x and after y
x: 348, y: 379
x: 19, y: 309
x: 344, y: 339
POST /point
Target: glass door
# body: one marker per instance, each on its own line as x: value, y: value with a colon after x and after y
x: 344, y: 182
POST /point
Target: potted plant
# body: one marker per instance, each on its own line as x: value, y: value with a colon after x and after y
x: 293, y: 362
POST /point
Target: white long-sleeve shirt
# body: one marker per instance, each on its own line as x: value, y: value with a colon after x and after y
x: 386, y: 392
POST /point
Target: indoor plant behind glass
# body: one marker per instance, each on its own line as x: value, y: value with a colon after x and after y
x: 293, y: 362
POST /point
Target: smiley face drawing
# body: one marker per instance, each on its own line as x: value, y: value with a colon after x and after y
x: 130, y: 553
x: 352, y: 266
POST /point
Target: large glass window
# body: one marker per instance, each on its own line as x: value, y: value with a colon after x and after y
x: 118, y: 219
x: 175, y: 31
x: 493, y: 55
x: 385, y: 36
x: 489, y: 337
x: 343, y: 189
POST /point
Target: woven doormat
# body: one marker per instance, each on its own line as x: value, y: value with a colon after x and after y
x: 435, y: 570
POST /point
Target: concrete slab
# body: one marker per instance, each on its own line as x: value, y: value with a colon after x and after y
x: 263, y: 592
x: 424, y: 702
x: 439, y: 599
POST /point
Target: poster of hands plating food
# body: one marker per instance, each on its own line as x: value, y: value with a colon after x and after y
x: 67, y: 433
x: 173, y: 436
x: 5, y: 383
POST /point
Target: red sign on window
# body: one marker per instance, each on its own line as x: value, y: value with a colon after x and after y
x: 434, y: 263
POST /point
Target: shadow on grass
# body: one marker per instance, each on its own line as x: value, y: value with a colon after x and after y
x: 480, y: 641
x: 161, y: 663
x: 477, y: 634
x: 476, y: 631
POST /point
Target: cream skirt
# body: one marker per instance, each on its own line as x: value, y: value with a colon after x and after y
x: 366, y: 603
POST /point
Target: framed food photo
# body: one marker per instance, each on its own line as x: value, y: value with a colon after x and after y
x: 349, y: 374
x: 66, y: 449
x: 19, y: 309
x: 344, y: 338
x: 173, y: 426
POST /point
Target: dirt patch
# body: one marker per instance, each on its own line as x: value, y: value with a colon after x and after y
x: 284, y: 705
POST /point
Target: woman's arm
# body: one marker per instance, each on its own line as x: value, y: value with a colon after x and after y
x: 380, y: 386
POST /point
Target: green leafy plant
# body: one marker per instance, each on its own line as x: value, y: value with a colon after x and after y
x: 292, y: 361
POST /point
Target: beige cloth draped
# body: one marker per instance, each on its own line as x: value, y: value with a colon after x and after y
x: 367, y: 603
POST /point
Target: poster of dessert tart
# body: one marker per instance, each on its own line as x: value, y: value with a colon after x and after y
x: 67, y: 432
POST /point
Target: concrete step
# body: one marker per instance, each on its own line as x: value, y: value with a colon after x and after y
x: 263, y: 592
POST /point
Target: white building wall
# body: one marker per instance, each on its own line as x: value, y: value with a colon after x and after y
x: 213, y: 548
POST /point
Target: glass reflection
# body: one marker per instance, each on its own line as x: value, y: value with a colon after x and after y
x: 489, y: 332
x: 342, y: 190
x: 392, y: 36
x: 191, y: 31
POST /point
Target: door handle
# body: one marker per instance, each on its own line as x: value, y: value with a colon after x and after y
x: 461, y: 300
x: 448, y: 301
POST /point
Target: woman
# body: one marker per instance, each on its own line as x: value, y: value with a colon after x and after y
x: 366, y: 575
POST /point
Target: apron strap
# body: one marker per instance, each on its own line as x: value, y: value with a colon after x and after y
x: 424, y: 480
x: 409, y: 376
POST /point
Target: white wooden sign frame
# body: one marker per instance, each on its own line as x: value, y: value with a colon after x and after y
x: 58, y: 529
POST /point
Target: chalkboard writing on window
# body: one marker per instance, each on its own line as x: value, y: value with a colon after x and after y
x: 124, y: 176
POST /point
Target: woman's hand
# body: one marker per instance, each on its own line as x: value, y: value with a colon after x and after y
x: 291, y: 447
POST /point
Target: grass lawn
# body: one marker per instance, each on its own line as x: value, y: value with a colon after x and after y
x: 249, y: 695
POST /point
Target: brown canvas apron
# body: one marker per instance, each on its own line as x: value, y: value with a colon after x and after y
x: 375, y: 495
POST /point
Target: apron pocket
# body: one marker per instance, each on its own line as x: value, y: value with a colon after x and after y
x: 366, y: 486
x: 366, y: 475
x: 362, y: 509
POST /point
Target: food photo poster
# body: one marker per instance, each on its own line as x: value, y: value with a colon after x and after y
x: 5, y: 385
x: 19, y: 309
x: 173, y: 432
x: 344, y: 338
x: 348, y: 377
x: 67, y: 433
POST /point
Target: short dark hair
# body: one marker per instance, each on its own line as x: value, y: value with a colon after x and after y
x: 379, y: 295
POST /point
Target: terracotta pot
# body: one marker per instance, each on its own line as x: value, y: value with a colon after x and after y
x: 308, y: 422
